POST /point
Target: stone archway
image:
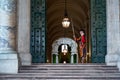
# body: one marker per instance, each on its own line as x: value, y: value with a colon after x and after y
x: 68, y: 41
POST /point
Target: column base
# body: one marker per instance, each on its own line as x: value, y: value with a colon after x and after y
x: 8, y: 62
x: 111, y: 59
x: 25, y: 58
x: 118, y: 63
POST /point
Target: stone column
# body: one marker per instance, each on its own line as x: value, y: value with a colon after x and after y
x: 8, y: 55
x: 77, y: 57
x: 24, y: 32
x: 113, y: 29
x: 118, y: 63
x: 57, y: 58
x: 72, y: 59
x: 74, y: 51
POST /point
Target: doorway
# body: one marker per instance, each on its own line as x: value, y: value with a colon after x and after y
x: 64, y: 53
x: 58, y: 56
x: 46, y: 27
x: 78, y: 12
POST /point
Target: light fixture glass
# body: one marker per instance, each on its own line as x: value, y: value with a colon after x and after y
x: 64, y: 49
x: 66, y: 21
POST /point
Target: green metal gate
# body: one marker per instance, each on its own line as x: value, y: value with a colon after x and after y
x: 37, y: 43
x: 98, y: 31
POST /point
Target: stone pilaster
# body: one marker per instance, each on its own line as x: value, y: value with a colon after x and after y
x: 57, y: 60
x: 113, y: 29
x: 8, y: 55
x: 72, y: 58
x: 24, y: 32
x: 56, y: 57
x: 118, y: 63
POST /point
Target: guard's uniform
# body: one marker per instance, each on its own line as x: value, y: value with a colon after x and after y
x: 82, y: 47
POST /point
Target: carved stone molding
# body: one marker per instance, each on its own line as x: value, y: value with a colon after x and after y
x: 68, y: 41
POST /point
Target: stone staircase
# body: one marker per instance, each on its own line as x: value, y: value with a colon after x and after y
x: 64, y: 72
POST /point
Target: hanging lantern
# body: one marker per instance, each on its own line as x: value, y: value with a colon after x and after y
x: 66, y: 21
x: 64, y: 49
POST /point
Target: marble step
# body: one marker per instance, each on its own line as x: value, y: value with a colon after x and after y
x: 68, y: 68
x: 82, y: 64
x: 68, y: 71
x: 62, y: 77
x: 64, y: 72
x: 52, y: 79
x: 60, y: 74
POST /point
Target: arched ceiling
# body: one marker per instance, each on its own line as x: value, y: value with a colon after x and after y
x: 78, y: 10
